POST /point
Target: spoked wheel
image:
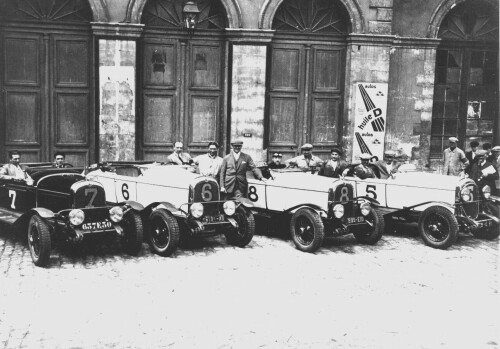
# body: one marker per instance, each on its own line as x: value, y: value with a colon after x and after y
x: 163, y: 233
x: 438, y: 227
x: 371, y: 234
x: 39, y: 241
x: 246, y: 228
x: 133, y: 233
x: 307, y: 230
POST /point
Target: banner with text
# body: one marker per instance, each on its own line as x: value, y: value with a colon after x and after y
x: 370, y: 112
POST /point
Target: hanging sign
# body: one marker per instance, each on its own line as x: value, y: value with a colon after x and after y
x: 370, y: 119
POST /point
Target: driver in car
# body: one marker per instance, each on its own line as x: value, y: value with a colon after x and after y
x: 13, y: 170
x: 364, y: 169
x: 306, y: 160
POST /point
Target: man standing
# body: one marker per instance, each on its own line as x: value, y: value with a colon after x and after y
x: 495, y: 151
x: 59, y: 160
x: 364, y: 170
x: 333, y: 167
x: 471, y: 155
x: 275, y: 163
x: 454, y: 159
x: 14, y: 170
x: 482, y: 171
x: 233, y: 172
x: 209, y: 164
x: 305, y: 160
x: 178, y: 157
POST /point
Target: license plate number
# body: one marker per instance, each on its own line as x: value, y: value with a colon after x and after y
x: 97, y: 225
x: 212, y: 219
x: 485, y: 224
x: 351, y: 220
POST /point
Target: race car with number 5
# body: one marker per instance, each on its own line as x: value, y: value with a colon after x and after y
x: 315, y: 207
x: 442, y: 205
x: 177, y: 203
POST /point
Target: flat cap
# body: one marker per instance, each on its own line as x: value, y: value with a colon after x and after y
x: 453, y: 139
x: 496, y: 148
x: 336, y: 150
x: 277, y: 155
x: 390, y: 153
x: 237, y: 143
x: 365, y: 156
x: 481, y: 153
x: 306, y: 146
x: 474, y: 143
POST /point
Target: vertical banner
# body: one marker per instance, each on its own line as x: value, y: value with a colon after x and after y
x: 370, y: 119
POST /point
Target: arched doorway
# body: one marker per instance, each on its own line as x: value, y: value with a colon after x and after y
x: 47, y: 66
x: 182, y: 78
x: 466, y: 83
x: 306, y: 78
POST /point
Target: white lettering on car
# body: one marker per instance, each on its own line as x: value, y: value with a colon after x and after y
x: 13, y: 194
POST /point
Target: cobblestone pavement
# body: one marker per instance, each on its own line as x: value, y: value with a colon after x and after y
x: 396, y: 294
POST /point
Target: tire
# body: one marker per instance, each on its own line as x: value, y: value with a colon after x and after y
x: 132, y: 233
x: 39, y: 241
x: 246, y: 228
x: 163, y: 233
x: 438, y: 227
x: 307, y: 230
x: 371, y: 235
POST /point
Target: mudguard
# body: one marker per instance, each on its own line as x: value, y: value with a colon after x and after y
x: 168, y: 207
x: 372, y: 201
x: 245, y: 202
x: 322, y: 213
x: 134, y: 204
x: 42, y: 212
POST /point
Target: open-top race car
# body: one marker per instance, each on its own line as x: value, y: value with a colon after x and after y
x: 442, y: 205
x: 315, y: 207
x: 61, y: 205
x: 178, y: 203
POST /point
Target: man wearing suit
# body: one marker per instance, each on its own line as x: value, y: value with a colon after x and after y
x: 471, y: 155
x: 364, y: 170
x: 233, y: 172
x: 482, y: 171
x: 59, y: 160
x: 333, y: 167
x: 388, y: 166
x: 178, y: 157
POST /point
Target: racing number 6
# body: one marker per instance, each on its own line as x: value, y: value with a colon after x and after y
x: 370, y: 191
x: 206, y: 194
x: 125, y: 192
x: 13, y: 194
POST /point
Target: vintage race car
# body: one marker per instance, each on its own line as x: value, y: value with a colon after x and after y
x: 442, y: 205
x: 62, y: 205
x: 177, y: 203
x: 315, y: 207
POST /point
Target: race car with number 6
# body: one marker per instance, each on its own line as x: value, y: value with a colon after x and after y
x: 177, y: 203
x: 315, y: 207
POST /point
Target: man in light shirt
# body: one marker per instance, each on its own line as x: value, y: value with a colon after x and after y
x: 454, y: 159
x: 306, y: 160
x: 13, y: 170
x: 209, y: 164
x: 178, y: 157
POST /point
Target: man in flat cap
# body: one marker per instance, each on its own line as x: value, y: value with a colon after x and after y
x: 364, y: 169
x: 471, y: 154
x: 209, y: 164
x: 495, y: 151
x: 275, y: 163
x: 334, y: 167
x: 233, y: 172
x: 482, y: 171
x: 385, y: 168
x: 454, y: 159
x: 178, y: 157
x: 306, y: 160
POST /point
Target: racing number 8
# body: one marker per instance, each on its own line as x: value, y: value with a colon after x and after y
x: 206, y: 192
x: 370, y: 191
x: 344, y: 194
x: 125, y: 193
x: 252, y: 193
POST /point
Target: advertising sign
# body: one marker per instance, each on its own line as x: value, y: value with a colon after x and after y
x: 370, y: 119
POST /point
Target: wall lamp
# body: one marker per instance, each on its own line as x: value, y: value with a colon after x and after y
x: 190, y: 13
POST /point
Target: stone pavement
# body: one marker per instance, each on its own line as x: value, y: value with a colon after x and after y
x: 396, y: 294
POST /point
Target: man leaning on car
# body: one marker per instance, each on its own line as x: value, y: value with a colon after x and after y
x: 209, y: 164
x: 14, y: 170
x: 454, y: 159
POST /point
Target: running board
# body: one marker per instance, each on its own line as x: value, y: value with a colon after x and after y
x: 8, y: 216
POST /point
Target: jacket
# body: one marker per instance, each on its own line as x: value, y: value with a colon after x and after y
x: 327, y: 169
x: 233, y: 174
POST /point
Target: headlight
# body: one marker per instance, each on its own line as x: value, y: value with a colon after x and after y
x: 229, y: 207
x: 486, y: 191
x: 338, y: 211
x: 196, y: 210
x: 365, y: 208
x: 116, y: 214
x: 465, y: 194
x: 76, y: 217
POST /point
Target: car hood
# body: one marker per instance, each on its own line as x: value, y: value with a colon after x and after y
x: 428, y: 180
x: 301, y: 180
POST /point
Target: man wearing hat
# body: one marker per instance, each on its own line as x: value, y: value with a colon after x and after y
x: 495, y: 151
x: 489, y: 154
x: 209, y: 164
x: 388, y: 166
x: 364, y: 169
x: 233, y: 172
x: 275, y: 163
x: 482, y: 171
x: 454, y: 159
x: 333, y: 167
x: 471, y: 155
x: 305, y: 160
x: 178, y: 157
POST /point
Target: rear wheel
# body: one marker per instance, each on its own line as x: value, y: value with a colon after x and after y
x: 132, y: 234
x: 246, y: 228
x: 39, y: 241
x: 438, y: 227
x: 163, y: 233
x: 371, y: 235
x: 307, y: 230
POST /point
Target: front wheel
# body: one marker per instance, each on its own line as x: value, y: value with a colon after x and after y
x: 371, y: 235
x: 307, y: 230
x: 132, y: 233
x: 438, y: 227
x: 163, y: 233
x: 39, y: 241
x: 246, y: 228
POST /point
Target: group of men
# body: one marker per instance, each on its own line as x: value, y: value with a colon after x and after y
x: 481, y: 165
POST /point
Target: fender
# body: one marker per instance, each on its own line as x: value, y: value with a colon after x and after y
x: 134, y: 205
x: 372, y: 201
x: 432, y: 203
x: 42, y: 212
x: 322, y: 213
x: 168, y: 207
x: 245, y: 202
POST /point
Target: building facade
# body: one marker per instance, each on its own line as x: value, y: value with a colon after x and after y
x: 123, y: 80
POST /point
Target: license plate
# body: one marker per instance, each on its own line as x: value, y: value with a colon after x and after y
x: 212, y: 219
x: 351, y: 220
x: 97, y: 225
x: 485, y: 224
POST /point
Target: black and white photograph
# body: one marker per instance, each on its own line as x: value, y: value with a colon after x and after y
x: 249, y: 174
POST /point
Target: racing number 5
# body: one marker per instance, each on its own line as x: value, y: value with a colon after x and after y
x: 370, y: 191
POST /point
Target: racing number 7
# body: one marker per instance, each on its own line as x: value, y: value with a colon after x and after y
x: 13, y: 195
